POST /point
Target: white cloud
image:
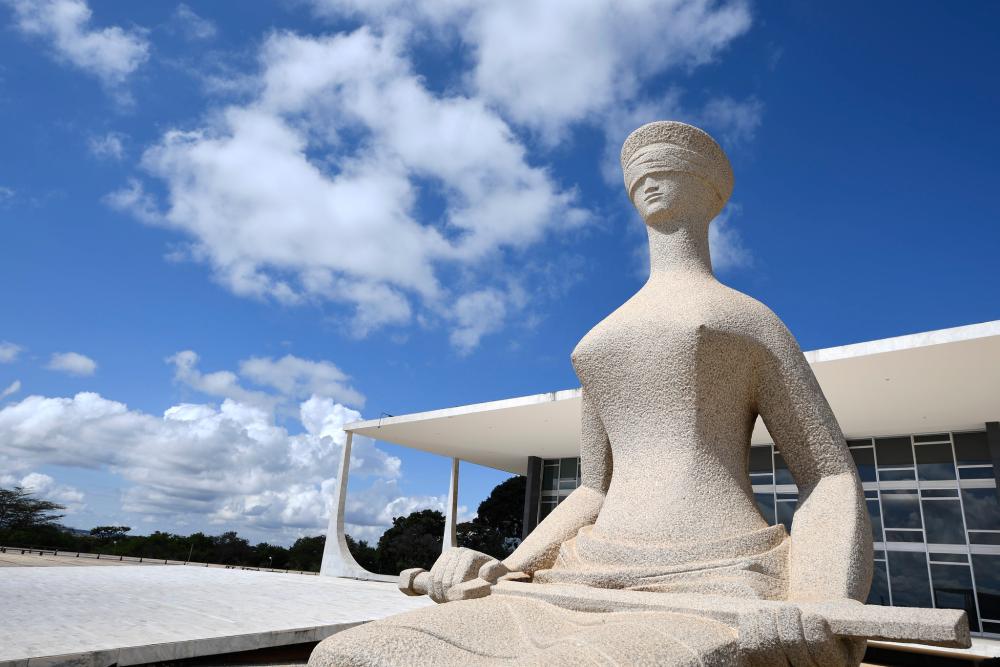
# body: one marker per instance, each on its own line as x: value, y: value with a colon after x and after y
x: 222, y: 384
x: 73, y: 363
x: 45, y: 487
x: 477, y: 314
x: 355, y: 142
x: 193, y: 26
x: 111, y: 54
x: 110, y: 146
x: 11, y: 389
x: 726, y: 243
x: 229, y: 464
x: 734, y: 121
x: 351, y: 137
x: 292, y: 377
x: 297, y: 377
x: 9, y: 352
x: 550, y: 63
x: 6, y: 194
x: 134, y: 199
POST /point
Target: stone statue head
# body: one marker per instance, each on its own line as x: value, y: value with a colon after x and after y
x: 675, y: 172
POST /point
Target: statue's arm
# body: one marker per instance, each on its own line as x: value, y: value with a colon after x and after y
x: 831, y: 554
x: 539, y: 550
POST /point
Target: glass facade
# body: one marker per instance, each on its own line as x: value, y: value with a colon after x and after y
x: 559, y: 478
x: 934, y: 508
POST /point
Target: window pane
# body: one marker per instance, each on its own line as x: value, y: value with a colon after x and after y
x: 939, y: 493
x: 549, y: 478
x: 879, y: 593
x: 875, y: 514
x: 786, y: 511
x: 893, y: 452
x: 982, y: 511
x: 934, y: 462
x: 865, y: 460
x: 984, y: 538
x: 900, y: 510
x: 781, y: 473
x: 544, y: 508
x: 953, y: 590
x: 567, y: 484
x: 972, y: 448
x: 984, y: 472
x: 895, y: 475
x: 909, y: 580
x: 943, y: 522
x: 904, y: 535
x: 567, y: 468
x: 950, y: 558
x: 765, y: 503
x: 860, y: 443
x: 931, y: 437
x: 987, y: 570
x: 760, y: 459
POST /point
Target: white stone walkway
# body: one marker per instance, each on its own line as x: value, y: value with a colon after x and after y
x: 130, y: 615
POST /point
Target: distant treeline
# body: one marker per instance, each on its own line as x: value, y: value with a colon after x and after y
x: 412, y: 541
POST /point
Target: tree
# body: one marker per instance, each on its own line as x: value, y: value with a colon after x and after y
x: 503, y: 509
x: 109, y: 533
x: 19, y: 510
x: 365, y: 554
x: 271, y: 555
x: 412, y: 541
x: 307, y: 553
x: 231, y: 549
x: 496, y: 530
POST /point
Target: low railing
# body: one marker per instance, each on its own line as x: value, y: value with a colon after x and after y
x: 65, y: 553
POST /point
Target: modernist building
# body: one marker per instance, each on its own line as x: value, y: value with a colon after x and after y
x: 920, y: 413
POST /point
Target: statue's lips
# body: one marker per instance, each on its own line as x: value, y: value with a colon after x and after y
x: 649, y: 199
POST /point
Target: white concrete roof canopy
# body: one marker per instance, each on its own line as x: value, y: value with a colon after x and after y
x: 945, y: 380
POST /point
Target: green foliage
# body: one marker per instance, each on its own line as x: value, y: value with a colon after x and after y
x: 109, y: 532
x: 307, y: 553
x: 412, y: 541
x: 365, y: 554
x: 496, y: 530
x: 20, y: 510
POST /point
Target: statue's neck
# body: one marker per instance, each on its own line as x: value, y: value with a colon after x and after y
x: 679, y: 252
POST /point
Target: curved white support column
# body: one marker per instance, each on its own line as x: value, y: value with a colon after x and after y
x: 451, y: 511
x: 337, y: 558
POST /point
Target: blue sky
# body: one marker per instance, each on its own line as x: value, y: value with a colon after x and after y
x: 228, y: 228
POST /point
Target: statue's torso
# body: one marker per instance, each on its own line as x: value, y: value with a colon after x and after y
x: 672, y: 375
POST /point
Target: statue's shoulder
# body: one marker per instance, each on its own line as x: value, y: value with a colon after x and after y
x: 751, y: 317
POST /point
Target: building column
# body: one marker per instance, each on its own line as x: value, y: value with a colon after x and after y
x: 451, y: 511
x: 532, y: 492
x: 337, y: 558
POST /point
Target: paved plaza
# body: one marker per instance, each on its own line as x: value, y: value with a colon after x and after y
x: 13, y: 558
x: 131, y: 614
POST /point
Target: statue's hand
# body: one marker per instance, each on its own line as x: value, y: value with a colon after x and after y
x: 777, y: 636
x: 463, y: 574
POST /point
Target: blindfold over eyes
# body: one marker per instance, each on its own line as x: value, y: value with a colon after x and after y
x: 666, y: 157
